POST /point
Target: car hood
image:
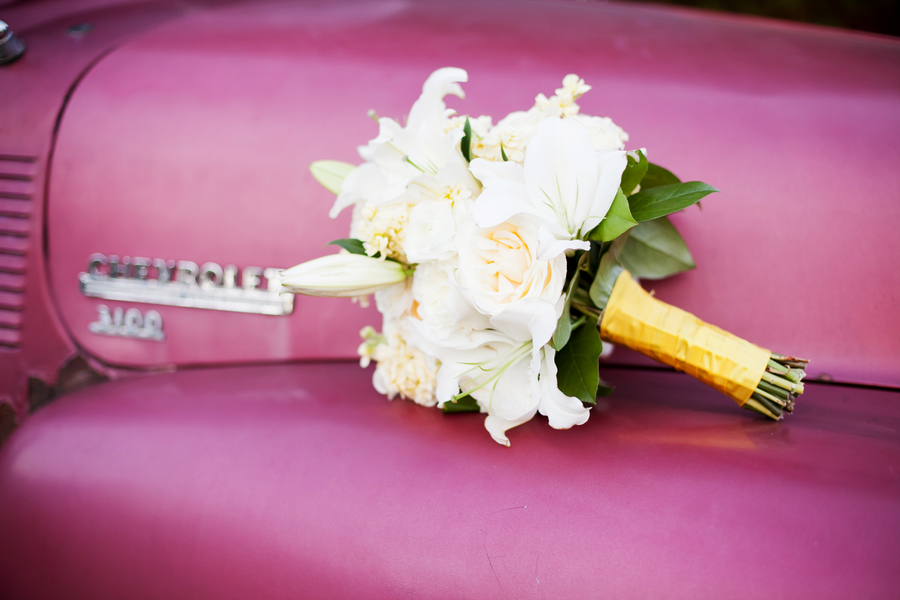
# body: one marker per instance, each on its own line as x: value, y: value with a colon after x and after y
x: 300, y: 481
x: 192, y: 141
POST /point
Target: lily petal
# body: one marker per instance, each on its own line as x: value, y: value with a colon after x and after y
x: 428, y: 110
x: 611, y: 165
x: 501, y: 201
x: 551, y: 247
x: 498, y: 426
x: 561, y: 170
x: 562, y: 411
x: 490, y: 172
x: 531, y: 319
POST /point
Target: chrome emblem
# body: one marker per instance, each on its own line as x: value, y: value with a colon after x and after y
x: 131, y: 323
x: 184, y: 283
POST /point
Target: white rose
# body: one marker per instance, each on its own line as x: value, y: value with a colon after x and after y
x: 430, y: 233
x: 396, y: 301
x: 430, y: 290
x: 499, y: 265
x: 605, y: 135
x: 503, y: 276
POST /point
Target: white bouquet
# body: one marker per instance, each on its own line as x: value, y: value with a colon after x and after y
x: 500, y: 254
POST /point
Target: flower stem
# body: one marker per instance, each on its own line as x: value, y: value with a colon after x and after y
x: 780, y: 385
x: 590, y: 312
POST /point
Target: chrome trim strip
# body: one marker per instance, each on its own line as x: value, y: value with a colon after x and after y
x: 177, y: 293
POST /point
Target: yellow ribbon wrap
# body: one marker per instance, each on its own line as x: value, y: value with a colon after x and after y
x: 635, y: 319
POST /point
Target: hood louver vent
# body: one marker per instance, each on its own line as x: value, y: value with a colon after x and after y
x: 16, y: 188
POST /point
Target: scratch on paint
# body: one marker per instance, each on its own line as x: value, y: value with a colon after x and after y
x: 536, y: 563
x: 506, y: 509
x: 484, y: 545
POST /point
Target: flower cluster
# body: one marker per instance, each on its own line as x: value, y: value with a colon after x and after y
x: 479, y: 219
x: 500, y: 255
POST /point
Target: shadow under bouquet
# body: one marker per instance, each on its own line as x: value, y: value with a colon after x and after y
x: 502, y: 256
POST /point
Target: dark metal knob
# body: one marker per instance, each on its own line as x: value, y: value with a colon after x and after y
x: 11, y: 47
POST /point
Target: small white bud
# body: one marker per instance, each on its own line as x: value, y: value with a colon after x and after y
x: 343, y: 276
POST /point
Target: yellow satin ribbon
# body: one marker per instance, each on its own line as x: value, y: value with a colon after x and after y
x: 635, y: 319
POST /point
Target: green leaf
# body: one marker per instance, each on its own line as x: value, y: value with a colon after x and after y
x: 604, y: 389
x: 634, y: 172
x: 564, y: 325
x: 657, y: 176
x: 617, y: 221
x: 577, y: 364
x: 607, y: 274
x: 660, y: 201
x: 503, y: 153
x: 466, y: 143
x: 594, y: 255
x: 654, y: 250
x: 464, y: 404
x: 351, y: 245
x: 331, y: 173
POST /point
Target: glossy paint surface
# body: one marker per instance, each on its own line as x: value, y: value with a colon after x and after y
x: 301, y: 481
x: 34, y: 342
x: 192, y: 142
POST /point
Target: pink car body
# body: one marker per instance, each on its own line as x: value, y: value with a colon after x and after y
x: 242, y: 454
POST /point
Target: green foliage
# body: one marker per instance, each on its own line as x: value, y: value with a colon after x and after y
x: 464, y: 404
x: 466, y: 143
x: 634, y: 172
x: 577, y: 364
x: 607, y: 273
x: 617, y: 221
x: 657, y: 176
x: 351, y: 245
x: 660, y: 201
x: 331, y: 173
x: 564, y: 325
x: 603, y: 388
x: 653, y: 250
x: 594, y: 255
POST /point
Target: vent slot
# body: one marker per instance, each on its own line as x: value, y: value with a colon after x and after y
x: 17, y: 185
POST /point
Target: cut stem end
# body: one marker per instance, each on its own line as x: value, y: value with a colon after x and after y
x: 780, y: 386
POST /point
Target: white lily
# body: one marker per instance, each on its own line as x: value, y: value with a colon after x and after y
x: 400, y: 154
x: 564, y: 182
x: 343, y: 276
x: 511, y: 394
x: 561, y: 411
x: 497, y: 373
